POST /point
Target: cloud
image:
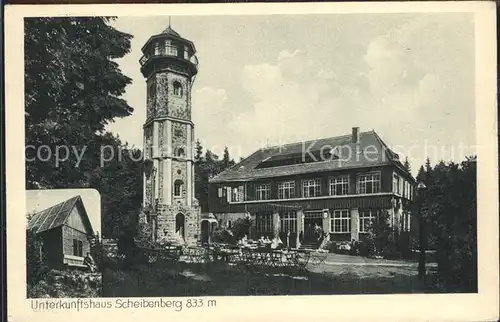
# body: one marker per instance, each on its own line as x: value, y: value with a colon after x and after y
x: 210, y: 108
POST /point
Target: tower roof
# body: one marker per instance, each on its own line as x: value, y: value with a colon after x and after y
x: 170, y: 31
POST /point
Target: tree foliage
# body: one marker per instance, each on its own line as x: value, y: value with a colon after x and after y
x: 72, y: 91
x: 206, y: 167
x: 450, y: 213
x: 381, y: 234
x: 35, y: 259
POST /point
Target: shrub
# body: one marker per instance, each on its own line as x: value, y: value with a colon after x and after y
x: 367, y: 247
x: 36, y: 267
x: 382, y: 234
x: 241, y: 227
x: 223, y: 236
x: 96, y: 251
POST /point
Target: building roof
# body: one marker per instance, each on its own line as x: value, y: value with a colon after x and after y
x: 57, y: 215
x: 305, y: 157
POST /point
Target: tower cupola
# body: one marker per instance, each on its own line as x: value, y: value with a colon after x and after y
x: 169, y: 50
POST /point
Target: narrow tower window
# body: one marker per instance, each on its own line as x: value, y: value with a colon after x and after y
x: 177, y: 188
x: 177, y: 89
x: 180, y: 152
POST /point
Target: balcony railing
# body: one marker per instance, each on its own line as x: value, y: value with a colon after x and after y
x: 170, y: 53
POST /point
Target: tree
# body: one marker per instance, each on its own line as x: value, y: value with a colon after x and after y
x: 451, y: 215
x: 120, y: 183
x: 198, y: 151
x: 205, y: 168
x: 226, y: 159
x: 421, y: 174
x: 35, y: 259
x: 381, y: 233
x: 72, y: 91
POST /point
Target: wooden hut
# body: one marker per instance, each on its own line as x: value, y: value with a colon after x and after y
x: 65, y: 231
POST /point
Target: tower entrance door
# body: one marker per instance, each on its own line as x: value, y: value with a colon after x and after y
x: 179, y: 225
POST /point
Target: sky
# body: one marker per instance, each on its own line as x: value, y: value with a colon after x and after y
x: 275, y: 79
x: 38, y: 200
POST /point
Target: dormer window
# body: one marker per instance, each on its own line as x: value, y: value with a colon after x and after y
x: 177, y: 89
x: 178, y: 188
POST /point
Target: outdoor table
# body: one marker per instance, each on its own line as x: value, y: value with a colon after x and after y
x: 225, y: 254
x: 317, y: 257
x: 195, y: 255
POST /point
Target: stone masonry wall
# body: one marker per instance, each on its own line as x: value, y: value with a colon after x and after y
x: 161, y: 94
x: 179, y: 172
x: 179, y: 138
x: 178, y: 106
x: 166, y: 223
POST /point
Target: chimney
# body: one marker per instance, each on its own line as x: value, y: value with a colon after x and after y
x: 355, y: 135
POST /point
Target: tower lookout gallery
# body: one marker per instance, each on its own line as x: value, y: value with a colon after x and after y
x: 170, y: 66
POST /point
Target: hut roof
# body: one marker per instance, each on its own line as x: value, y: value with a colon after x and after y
x: 57, y: 216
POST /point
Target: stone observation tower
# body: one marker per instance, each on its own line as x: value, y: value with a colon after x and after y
x: 169, y: 65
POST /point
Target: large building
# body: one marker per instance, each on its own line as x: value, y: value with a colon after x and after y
x: 339, y: 184
x: 169, y: 65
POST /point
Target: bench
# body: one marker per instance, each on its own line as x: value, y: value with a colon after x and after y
x: 74, y: 261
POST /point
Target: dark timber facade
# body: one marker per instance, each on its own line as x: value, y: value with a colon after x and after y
x: 339, y: 184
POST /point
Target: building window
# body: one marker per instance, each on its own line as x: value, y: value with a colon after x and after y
x: 366, y: 218
x: 286, y: 190
x: 264, y: 223
x: 169, y: 49
x: 340, y: 221
x: 406, y: 221
x: 177, y: 188
x: 289, y: 222
x: 77, y: 248
x: 221, y: 192
x: 157, y: 48
x: 263, y: 191
x: 339, y: 186
x: 237, y: 194
x: 311, y: 188
x: 177, y: 89
x: 395, y: 183
x: 369, y: 183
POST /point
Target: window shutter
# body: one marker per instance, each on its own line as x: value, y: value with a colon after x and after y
x: 228, y: 194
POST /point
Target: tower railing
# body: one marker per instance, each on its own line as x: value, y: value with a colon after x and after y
x: 168, y: 52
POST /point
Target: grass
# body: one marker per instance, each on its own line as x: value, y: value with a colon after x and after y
x: 340, y: 274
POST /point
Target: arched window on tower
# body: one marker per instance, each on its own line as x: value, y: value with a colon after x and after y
x: 179, y: 152
x: 178, y: 188
x: 177, y: 89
